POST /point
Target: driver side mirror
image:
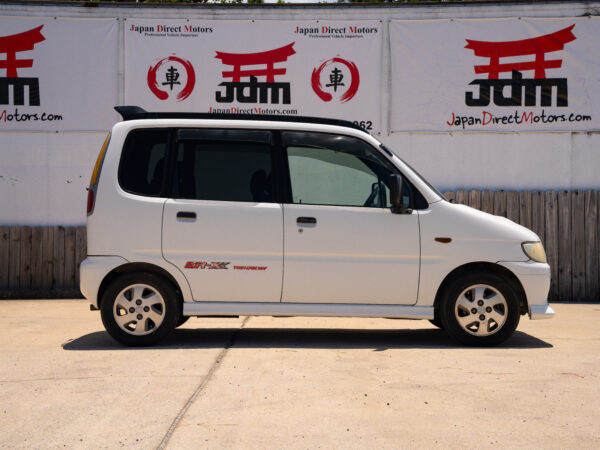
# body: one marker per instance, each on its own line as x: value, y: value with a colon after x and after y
x: 395, y: 186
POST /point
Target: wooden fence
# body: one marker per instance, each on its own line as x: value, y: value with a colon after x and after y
x: 43, y: 262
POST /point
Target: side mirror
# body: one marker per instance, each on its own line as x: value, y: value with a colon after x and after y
x: 396, y: 193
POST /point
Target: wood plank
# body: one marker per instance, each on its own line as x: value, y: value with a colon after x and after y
x: 462, y: 196
x: 592, y: 275
x: 538, y: 215
x: 475, y: 199
x: 525, y: 208
x: 512, y: 206
x: 4, y: 246
x: 58, y: 259
x: 70, y: 264
x: 551, y: 228
x: 500, y: 203
x: 578, y: 244
x: 48, y: 258
x: 25, y: 275
x: 37, y: 238
x: 565, y: 291
x: 487, y: 201
x: 80, y: 249
x: 14, y: 257
x: 450, y: 195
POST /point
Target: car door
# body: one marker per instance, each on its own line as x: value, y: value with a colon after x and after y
x: 222, y: 227
x: 342, y: 243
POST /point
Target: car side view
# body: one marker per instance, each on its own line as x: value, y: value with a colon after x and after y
x: 203, y: 215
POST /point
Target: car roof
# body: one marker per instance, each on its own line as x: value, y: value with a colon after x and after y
x: 137, y: 113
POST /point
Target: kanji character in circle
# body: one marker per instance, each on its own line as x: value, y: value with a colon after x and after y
x: 172, y: 79
x: 336, y: 80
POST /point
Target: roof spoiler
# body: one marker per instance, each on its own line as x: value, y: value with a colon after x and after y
x: 135, y: 112
x: 130, y: 112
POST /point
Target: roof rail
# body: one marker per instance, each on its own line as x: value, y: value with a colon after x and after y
x: 135, y: 113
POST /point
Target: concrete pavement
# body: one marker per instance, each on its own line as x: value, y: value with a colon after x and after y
x: 264, y: 382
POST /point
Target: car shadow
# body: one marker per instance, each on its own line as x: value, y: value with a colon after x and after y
x: 307, y: 338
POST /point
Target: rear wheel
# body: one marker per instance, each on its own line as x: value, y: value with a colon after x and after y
x: 480, y: 309
x: 140, y: 309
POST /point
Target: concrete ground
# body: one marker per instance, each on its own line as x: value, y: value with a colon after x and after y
x: 264, y: 382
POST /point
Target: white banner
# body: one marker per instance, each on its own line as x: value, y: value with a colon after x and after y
x: 495, y: 75
x: 58, y: 74
x: 318, y: 68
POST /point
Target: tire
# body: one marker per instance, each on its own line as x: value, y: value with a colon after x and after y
x: 140, y: 309
x: 437, y: 322
x: 480, y: 309
x: 182, y: 319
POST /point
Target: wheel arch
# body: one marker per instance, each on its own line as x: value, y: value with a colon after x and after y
x: 497, y: 269
x: 138, y: 267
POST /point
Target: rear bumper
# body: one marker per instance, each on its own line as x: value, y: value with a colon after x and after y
x: 92, y: 271
x: 535, y: 279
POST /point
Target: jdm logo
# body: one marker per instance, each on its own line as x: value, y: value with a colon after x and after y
x: 171, y: 76
x: 10, y: 46
x: 336, y: 77
x: 261, y: 64
x: 536, y: 48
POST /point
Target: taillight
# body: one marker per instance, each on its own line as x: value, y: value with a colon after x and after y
x: 90, y: 202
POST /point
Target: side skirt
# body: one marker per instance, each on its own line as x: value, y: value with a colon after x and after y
x: 306, y: 309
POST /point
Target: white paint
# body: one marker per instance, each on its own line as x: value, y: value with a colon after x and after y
x: 44, y: 175
x: 351, y: 255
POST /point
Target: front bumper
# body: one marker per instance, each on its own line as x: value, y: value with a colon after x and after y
x: 535, y: 279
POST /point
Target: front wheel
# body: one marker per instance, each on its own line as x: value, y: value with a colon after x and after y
x: 140, y: 309
x: 480, y: 309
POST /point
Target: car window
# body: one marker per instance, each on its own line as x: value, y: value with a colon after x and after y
x: 335, y: 170
x: 227, y: 171
x: 142, y: 166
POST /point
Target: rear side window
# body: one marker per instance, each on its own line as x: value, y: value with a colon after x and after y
x: 228, y: 171
x: 143, y: 162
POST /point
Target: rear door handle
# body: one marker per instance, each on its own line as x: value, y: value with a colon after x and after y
x: 306, y: 221
x: 186, y: 215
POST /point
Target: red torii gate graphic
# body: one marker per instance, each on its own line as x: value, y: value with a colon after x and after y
x: 269, y: 58
x: 537, y: 46
x: 11, y: 45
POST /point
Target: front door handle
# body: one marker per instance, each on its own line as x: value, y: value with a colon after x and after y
x: 306, y: 221
x: 186, y: 215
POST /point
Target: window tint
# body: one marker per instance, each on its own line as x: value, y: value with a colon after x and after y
x: 142, y: 166
x: 228, y: 171
x: 335, y: 170
x: 326, y: 177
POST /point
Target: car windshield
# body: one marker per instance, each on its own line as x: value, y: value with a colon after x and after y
x: 417, y: 174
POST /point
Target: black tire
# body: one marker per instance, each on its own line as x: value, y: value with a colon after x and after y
x: 144, y: 296
x: 182, y: 319
x: 437, y: 322
x: 480, y: 309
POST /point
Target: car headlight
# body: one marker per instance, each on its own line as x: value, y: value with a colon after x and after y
x: 534, y: 251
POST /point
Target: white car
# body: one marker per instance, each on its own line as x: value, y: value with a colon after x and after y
x: 204, y: 215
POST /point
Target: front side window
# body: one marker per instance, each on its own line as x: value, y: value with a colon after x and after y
x: 142, y: 166
x: 336, y: 170
x: 226, y: 171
